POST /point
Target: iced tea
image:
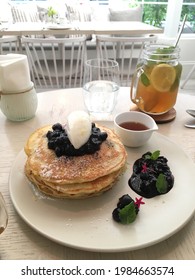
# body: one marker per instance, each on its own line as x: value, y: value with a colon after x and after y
x: 158, y: 77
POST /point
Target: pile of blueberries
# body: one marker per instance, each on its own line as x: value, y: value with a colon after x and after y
x: 59, y: 142
x: 123, y: 201
x: 143, y: 182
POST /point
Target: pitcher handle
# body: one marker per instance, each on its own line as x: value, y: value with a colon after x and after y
x: 138, y: 72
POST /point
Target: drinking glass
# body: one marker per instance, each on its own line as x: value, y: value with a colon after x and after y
x: 3, y: 214
x: 100, y: 86
x: 156, y: 81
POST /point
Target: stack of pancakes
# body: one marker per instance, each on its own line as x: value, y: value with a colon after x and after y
x: 76, y: 176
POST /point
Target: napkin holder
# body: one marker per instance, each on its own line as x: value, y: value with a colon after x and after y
x: 19, y: 105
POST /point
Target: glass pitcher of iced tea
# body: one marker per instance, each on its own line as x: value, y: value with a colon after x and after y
x: 156, y: 80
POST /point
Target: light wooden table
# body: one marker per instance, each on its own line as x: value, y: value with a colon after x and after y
x: 20, y: 241
x: 121, y: 27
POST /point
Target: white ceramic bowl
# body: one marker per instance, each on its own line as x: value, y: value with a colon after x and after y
x: 131, y: 137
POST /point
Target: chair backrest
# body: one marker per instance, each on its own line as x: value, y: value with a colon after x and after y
x: 9, y: 44
x: 25, y: 13
x: 56, y: 63
x: 126, y: 51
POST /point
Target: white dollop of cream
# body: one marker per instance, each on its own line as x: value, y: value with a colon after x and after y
x: 78, y: 128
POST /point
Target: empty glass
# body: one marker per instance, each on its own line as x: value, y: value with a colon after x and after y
x: 3, y: 214
x: 101, y: 86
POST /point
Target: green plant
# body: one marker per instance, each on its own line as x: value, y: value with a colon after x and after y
x: 154, y: 14
x: 51, y: 12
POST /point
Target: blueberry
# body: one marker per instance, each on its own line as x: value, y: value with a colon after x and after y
x: 60, y: 140
x: 95, y: 131
x: 51, y: 145
x: 58, y: 152
x: 49, y: 134
x: 124, y: 200
x: 56, y: 133
x: 95, y: 141
x: 103, y: 136
x: 115, y: 215
x: 57, y: 127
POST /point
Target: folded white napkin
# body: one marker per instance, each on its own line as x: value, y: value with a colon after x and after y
x: 14, y: 73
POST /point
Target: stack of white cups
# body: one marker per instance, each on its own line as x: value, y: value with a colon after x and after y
x: 18, y: 97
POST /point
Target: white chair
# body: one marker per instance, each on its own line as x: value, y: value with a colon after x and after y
x: 25, y: 13
x: 9, y: 44
x: 56, y: 63
x: 126, y: 51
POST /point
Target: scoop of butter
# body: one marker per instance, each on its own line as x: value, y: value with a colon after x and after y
x: 78, y: 128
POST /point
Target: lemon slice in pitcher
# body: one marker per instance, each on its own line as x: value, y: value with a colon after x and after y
x: 162, y: 77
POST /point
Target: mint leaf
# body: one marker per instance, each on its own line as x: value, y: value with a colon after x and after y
x: 155, y: 155
x: 175, y: 85
x: 161, y: 183
x: 144, y: 79
x: 128, y: 214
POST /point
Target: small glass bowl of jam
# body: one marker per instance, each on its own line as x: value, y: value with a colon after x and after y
x: 134, y: 128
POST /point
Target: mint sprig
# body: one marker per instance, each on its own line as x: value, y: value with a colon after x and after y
x: 127, y: 214
x: 163, y: 53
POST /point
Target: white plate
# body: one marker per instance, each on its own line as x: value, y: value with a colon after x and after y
x: 58, y: 26
x: 88, y: 224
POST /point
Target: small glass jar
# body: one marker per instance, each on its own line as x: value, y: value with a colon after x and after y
x: 19, y: 106
x: 156, y: 81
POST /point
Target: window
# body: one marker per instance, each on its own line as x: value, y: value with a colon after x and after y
x: 189, y: 9
x: 168, y: 14
x: 154, y: 12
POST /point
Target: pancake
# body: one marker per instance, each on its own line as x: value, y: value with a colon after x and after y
x: 76, y: 191
x: 73, y: 176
